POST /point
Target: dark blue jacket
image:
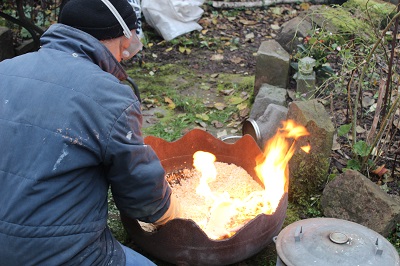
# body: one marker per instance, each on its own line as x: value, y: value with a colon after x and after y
x: 69, y: 129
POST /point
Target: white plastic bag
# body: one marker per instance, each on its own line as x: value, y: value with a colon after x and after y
x: 172, y: 18
x: 135, y: 4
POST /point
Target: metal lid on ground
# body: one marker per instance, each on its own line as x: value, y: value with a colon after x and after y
x: 329, y: 241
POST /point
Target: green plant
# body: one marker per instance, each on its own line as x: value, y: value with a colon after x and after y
x: 357, y: 59
x: 394, y: 238
x: 360, y: 148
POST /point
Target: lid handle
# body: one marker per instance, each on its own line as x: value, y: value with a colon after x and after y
x: 379, y: 249
x: 298, y: 233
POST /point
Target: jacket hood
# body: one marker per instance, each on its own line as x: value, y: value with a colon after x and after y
x: 80, y: 44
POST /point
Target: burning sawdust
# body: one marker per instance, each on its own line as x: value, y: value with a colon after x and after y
x: 231, y: 180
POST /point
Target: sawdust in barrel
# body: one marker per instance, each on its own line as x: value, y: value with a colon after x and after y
x: 230, y: 178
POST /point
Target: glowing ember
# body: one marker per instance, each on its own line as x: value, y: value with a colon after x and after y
x: 271, y: 169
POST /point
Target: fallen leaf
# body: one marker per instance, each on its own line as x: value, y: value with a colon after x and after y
x: 217, y: 57
x: 171, y: 104
x: 367, y: 101
x: 236, y: 60
x: 205, y: 87
x: 305, y: 6
x: 222, y: 133
x: 220, y: 106
x: 202, y: 124
x: 372, y: 108
x: 208, y: 105
x: 214, y: 75
x: 203, y: 117
x: 336, y: 145
x: 233, y: 124
x: 149, y: 101
x: 222, y: 27
x: 235, y: 100
x: 242, y: 106
x: 360, y: 129
x: 228, y: 92
x: 275, y: 27
x: 380, y: 171
x: 396, y: 122
x: 205, y: 22
x: 244, y: 112
x: 387, y: 178
x: 249, y: 36
x: 184, y: 50
x: 247, y: 22
x: 244, y: 95
x: 217, y: 124
x: 276, y: 10
x: 235, y: 117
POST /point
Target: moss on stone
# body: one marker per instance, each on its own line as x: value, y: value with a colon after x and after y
x: 342, y: 21
x: 308, y: 180
x: 378, y: 11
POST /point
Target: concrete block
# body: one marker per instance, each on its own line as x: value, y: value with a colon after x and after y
x: 272, y: 65
x: 267, y: 95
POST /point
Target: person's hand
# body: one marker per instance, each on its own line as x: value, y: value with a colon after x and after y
x: 173, y: 212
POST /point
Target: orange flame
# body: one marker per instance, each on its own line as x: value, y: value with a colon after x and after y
x: 271, y: 169
x: 306, y: 148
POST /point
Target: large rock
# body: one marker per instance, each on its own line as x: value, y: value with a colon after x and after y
x: 309, y: 171
x: 6, y: 44
x: 353, y: 197
x: 272, y: 66
x: 267, y: 95
x: 293, y: 32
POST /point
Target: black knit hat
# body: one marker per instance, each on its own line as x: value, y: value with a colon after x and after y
x: 95, y: 18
